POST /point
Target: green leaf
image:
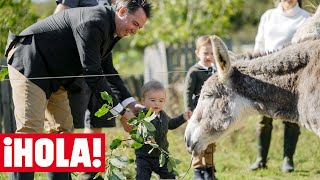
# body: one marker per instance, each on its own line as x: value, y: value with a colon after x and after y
x: 3, y: 73
x: 149, y: 112
x: 149, y: 152
x: 97, y: 175
x: 144, y: 131
x: 124, y: 146
x: 133, y: 131
x: 110, y: 118
x: 139, y: 131
x: 162, y: 160
x: 131, y: 160
x: 150, y: 118
x: 113, y: 177
x: 119, y: 174
x: 134, y: 137
x: 132, y: 120
x: 178, y: 161
x: 106, y: 96
x: 169, y: 166
x: 149, y: 125
x: 136, y: 145
x: 102, y: 111
x: 117, y: 163
x: 115, y: 143
x: 122, y: 158
x: 172, y: 162
x: 141, y: 115
x: 154, y: 145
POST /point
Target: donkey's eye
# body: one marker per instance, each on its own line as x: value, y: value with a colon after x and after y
x: 207, y: 95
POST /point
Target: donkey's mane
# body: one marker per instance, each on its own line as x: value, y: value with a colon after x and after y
x: 284, y: 61
x: 253, y: 55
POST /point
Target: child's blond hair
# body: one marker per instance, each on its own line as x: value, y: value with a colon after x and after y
x: 203, y: 41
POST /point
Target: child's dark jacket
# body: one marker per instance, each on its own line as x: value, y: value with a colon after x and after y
x: 195, y: 79
x: 162, y: 123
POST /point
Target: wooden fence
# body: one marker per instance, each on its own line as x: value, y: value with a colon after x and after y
x: 7, y: 121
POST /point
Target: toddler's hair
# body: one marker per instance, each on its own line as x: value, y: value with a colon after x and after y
x: 152, y: 85
x: 203, y: 41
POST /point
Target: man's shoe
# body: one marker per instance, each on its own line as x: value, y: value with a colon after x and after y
x: 287, y: 165
x: 258, y: 165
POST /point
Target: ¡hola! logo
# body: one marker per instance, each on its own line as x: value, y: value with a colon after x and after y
x: 52, y: 152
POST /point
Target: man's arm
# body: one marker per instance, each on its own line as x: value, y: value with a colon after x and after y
x: 119, y: 89
x: 89, y: 38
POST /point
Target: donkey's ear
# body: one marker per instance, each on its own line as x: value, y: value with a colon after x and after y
x: 221, y: 56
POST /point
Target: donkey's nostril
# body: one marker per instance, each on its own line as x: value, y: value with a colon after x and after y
x: 187, y: 141
x: 193, y: 145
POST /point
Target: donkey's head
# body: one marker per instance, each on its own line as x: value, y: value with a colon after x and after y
x: 219, y: 108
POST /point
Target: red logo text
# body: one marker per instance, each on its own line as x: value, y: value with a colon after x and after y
x: 52, y: 152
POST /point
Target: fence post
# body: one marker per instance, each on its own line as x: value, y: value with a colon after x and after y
x: 1, y: 113
x: 7, y: 107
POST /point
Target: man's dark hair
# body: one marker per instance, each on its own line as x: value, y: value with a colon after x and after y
x: 133, y: 5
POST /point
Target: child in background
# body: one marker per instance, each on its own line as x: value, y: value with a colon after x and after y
x: 154, y: 96
x: 203, y: 164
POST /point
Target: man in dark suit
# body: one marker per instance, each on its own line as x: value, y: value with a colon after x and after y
x: 81, y: 99
x: 69, y: 43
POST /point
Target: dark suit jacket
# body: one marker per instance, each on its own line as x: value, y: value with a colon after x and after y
x: 68, y: 43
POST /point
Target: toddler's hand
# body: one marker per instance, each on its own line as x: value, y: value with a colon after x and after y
x: 187, y: 115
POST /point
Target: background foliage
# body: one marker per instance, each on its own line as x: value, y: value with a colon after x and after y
x: 173, y: 22
x: 178, y: 21
x: 15, y: 16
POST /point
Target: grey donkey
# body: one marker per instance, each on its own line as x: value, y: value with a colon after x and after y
x: 281, y: 85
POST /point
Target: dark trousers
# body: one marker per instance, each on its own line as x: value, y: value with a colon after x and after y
x: 203, y: 173
x: 30, y: 176
x: 291, y: 135
x: 145, y: 166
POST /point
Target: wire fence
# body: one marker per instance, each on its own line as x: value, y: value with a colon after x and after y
x: 98, y: 75
x: 133, y: 81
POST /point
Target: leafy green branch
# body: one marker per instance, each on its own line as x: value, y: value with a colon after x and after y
x: 3, y: 73
x: 140, y: 135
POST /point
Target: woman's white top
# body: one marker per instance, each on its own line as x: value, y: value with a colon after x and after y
x: 277, y: 27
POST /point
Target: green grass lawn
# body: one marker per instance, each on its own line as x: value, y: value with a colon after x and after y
x: 235, y: 153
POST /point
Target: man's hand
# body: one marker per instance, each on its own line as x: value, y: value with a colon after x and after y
x: 61, y: 7
x: 124, y: 120
x: 135, y: 108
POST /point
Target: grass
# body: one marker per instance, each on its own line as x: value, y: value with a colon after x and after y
x: 235, y: 153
